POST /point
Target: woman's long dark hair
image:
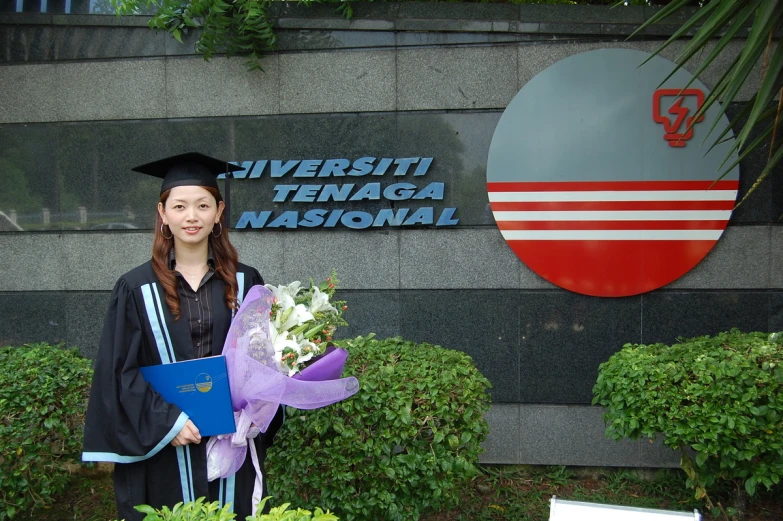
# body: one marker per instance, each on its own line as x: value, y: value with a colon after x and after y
x: 224, y: 253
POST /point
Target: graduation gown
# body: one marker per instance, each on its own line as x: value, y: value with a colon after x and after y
x: 129, y: 424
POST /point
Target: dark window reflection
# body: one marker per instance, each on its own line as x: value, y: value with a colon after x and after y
x: 77, y: 176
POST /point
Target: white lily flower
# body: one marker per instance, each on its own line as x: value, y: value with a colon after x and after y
x: 320, y: 302
x: 298, y: 316
x: 281, y: 340
x: 285, y: 294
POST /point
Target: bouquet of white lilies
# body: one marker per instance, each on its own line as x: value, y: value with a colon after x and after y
x: 302, y: 321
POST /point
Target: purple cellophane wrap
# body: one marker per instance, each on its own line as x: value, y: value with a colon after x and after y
x: 258, y: 387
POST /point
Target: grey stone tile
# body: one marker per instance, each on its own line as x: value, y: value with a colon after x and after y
x: 123, y: 89
x: 94, y: 161
x: 30, y: 158
x: 85, y: 313
x: 370, y: 312
x: 564, y: 337
x: 263, y: 251
x: 318, y: 39
x: 668, y: 315
x: 580, y: 14
x: 220, y: 87
x: 28, y: 94
x: 348, y: 136
x: 456, y: 258
x: 94, y: 261
x: 456, y: 78
x: 445, y: 25
x: 36, y: 43
x: 528, y: 27
x: 31, y: 262
x: 436, y: 11
x: 32, y: 317
x: 653, y: 453
x: 410, y: 39
x: 364, y: 260
x: 529, y: 279
x: 775, y: 311
x: 776, y: 262
x: 357, y: 81
x: 765, y: 203
x: 458, y: 144
x: 336, y: 24
x: 502, y: 445
x: 740, y: 259
x: 571, y: 435
x: 481, y: 323
x: 535, y: 58
x: 187, y: 47
x: 283, y: 10
x: 568, y: 28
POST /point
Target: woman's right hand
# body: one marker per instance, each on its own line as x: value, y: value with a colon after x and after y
x: 188, y: 434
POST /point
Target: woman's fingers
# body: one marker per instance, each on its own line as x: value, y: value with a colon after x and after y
x: 188, y: 434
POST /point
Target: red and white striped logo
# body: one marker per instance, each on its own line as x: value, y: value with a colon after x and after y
x: 590, y: 191
x: 636, y: 235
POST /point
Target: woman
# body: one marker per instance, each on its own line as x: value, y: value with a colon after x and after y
x: 177, y: 306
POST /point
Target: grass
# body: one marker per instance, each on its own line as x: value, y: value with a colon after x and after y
x: 499, y: 493
x: 523, y: 493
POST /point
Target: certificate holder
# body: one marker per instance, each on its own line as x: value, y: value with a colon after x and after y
x: 200, y: 388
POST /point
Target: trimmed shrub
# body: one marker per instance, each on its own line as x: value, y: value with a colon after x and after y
x: 198, y: 510
x: 43, y: 397
x: 718, y: 399
x: 404, y: 444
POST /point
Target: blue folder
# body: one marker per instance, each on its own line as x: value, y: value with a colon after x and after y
x: 200, y: 388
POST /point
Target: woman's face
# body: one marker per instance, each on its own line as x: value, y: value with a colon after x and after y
x: 190, y: 212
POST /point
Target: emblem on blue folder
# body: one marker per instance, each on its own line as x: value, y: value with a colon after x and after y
x: 204, y: 382
x: 210, y: 408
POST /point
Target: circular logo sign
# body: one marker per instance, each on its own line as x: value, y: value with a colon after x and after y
x: 203, y: 382
x: 598, y: 178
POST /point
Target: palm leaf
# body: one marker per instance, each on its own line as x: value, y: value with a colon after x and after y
x: 732, y: 81
x: 749, y: 149
x: 665, y: 12
x: 723, y: 20
x: 774, y: 160
x: 769, y: 86
x: 736, y: 25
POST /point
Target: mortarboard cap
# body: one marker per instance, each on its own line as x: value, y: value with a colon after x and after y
x: 191, y: 169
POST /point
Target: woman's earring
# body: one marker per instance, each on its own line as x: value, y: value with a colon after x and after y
x: 220, y: 232
x: 163, y: 234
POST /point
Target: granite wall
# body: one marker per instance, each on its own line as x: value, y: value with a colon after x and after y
x: 83, y: 98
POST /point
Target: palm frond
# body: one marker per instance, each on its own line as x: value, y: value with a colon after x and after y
x: 721, y: 21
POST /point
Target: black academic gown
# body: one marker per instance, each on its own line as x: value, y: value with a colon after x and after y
x: 128, y: 423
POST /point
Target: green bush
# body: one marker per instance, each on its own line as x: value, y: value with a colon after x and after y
x: 43, y: 397
x: 718, y: 399
x: 200, y: 511
x: 403, y: 445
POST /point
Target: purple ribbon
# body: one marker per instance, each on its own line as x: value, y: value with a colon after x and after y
x: 258, y: 387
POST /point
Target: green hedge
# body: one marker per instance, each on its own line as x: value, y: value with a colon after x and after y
x: 719, y: 399
x: 199, y: 510
x: 43, y: 397
x: 404, y: 445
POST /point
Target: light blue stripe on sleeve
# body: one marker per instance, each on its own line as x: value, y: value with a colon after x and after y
x: 116, y: 458
x: 149, y: 305
x: 165, y: 327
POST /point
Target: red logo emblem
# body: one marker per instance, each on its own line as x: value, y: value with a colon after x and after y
x: 590, y: 197
x: 679, y: 129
